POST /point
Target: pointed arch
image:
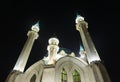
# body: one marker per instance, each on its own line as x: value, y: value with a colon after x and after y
x: 33, y: 78
x: 70, y: 64
x: 76, y: 76
x: 63, y: 75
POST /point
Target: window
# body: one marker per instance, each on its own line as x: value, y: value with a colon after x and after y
x: 63, y: 75
x: 76, y: 76
x: 33, y: 78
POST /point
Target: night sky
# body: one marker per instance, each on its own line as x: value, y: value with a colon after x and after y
x: 58, y: 18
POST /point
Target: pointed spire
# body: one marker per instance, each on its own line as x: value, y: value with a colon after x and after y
x: 81, y: 48
x: 77, y: 15
x: 79, y: 18
x: 35, y: 27
x: 37, y: 24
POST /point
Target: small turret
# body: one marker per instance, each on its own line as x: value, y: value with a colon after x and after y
x: 52, y: 48
x: 82, y: 53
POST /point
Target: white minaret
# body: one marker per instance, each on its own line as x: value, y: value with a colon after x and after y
x: 22, y: 60
x: 88, y: 44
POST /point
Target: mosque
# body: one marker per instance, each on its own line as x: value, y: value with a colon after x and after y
x: 61, y: 66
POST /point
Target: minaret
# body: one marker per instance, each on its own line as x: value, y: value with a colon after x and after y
x: 22, y: 60
x: 88, y: 44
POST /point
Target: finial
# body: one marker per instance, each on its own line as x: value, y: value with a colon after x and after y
x: 36, y: 27
x: 79, y: 18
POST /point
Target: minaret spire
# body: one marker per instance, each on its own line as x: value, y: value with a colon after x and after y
x: 88, y: 44
x: 36, y: 27
x: 22, y: 60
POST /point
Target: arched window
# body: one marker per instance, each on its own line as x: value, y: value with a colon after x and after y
x: 63, y: 75
x: 76, y: 76
x: 33, y: 78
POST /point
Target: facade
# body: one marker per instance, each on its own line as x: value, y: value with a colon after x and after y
x: 60, y: 66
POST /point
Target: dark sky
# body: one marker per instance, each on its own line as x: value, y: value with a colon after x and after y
x: 58, y: 17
